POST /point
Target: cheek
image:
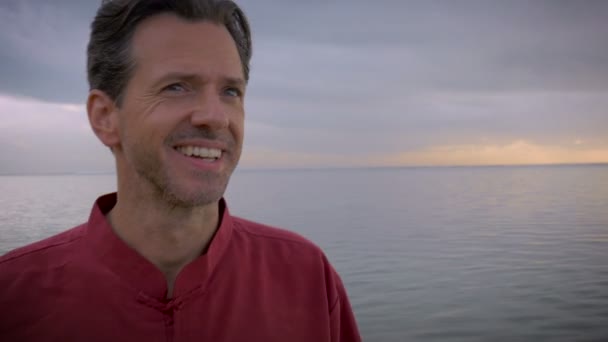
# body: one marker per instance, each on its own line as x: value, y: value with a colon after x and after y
x: 139, y: 138
x: 238, y: 125
x: 238, y: 133
x: 151, y: 121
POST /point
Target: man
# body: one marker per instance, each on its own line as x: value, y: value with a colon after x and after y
x: 162, y: 259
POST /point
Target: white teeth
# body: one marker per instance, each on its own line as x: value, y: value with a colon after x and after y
x: 201, y: 152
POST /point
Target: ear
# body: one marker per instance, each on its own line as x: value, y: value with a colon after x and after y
x: 103, y: 117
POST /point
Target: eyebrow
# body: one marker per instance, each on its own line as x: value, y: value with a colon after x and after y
x: 233, y: 81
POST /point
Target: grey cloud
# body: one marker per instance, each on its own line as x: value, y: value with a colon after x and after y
x: 370, y: 70
x: 48, y: 152
x: 350, y: 76
x: 438, y: 118
x: 417, y: 45
x: 43, y: 48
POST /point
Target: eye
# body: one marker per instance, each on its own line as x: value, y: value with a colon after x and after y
x: 233, y: 92
x: 175, y: 87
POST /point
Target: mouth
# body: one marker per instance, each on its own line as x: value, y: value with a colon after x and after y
x: 203, y: 153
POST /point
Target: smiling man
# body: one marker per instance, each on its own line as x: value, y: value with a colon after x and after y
x: 162, y: 259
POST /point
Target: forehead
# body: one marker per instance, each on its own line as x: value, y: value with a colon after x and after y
x: 168, y: 43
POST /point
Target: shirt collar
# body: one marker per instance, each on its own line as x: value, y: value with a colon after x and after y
x: 136, y: 271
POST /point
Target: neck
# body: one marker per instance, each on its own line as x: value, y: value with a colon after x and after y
x: 167, y: 236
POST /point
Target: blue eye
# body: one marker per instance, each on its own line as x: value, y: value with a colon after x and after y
x: 232, y: 92
x: 175, y: 87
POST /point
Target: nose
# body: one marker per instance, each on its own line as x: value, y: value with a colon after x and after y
x: 210, y: 111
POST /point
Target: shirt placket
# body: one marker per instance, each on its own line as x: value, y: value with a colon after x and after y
x: 168, y: 311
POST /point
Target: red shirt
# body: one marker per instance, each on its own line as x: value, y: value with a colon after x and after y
x: 255, y: 283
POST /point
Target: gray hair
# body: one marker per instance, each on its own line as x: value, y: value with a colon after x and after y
x: 109, y: 62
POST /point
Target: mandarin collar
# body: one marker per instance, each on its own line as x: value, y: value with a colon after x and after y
x: 139, y: 273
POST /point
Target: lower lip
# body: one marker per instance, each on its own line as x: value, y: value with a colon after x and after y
x: 202, y: 164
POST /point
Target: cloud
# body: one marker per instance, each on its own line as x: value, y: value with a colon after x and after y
x: 43, y: 49
x: 350, y: 81
x: 518, y: 152
x: 41, y: 137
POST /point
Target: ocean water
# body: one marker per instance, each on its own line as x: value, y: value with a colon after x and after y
x: 426, y: 254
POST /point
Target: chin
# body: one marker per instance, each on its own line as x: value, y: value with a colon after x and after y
x: 191, y: 201
x: 188, y: 190
x: 194, y: 196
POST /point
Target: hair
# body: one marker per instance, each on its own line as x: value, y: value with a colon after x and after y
x: 109, y: 60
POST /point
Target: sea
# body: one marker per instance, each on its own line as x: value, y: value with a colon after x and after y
x: 511, y: 253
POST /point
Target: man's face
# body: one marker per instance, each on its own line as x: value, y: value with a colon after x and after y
x: 181, y: 118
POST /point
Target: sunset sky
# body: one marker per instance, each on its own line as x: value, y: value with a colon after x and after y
x: 346, y: 83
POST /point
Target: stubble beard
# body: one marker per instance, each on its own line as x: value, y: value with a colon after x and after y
x: 168, y: 189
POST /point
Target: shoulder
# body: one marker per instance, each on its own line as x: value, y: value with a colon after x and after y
x: 43, y: 252
x: 26, y: 272
x: 258, y: 241
x: 294, y: 255
x: 31, y: 279
x: 264, y: 234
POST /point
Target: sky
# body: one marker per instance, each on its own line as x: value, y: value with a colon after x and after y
x: 346, y: 83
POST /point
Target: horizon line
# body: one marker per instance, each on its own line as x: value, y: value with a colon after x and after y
x: 321, y: 168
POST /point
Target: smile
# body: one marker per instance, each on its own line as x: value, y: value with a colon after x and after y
x: 200, y: 152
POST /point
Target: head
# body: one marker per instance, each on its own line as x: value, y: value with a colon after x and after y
x: 109, y: 59
x: 167, y: 83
